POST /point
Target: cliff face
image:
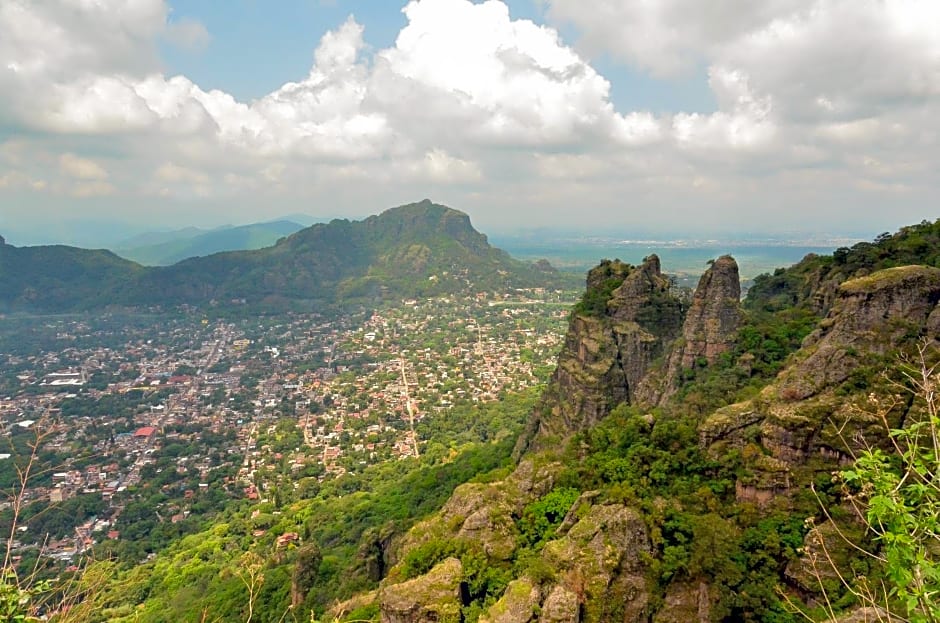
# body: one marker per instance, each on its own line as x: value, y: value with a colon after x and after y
x: 626, y: 320
x: 713, y: 319
x: 709, y: 329
x: 816, y: 411
x: 870, y: 315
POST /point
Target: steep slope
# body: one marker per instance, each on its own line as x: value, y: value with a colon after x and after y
x: 58, y: 278
x: 198, y: 243
x: 708, y: 331
x: 625, y: 320
x: 666, y: 516
x: 420, y: 249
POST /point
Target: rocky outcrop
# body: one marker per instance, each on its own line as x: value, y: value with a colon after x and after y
x: 434, y: 597
x: 711, y: 323
x: 597, y: 566
x: 602, y: 562
x: 710, y: 328
x: 598, y: 574
x: 818, y: 406
x: 685, y: 603
x: 481, y: 515
x: 872, y: 314
x: 2, y: 241
x: 627, y: 318
x: 519, y: 604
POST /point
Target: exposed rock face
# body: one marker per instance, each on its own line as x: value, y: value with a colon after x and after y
x: 2, y: 241
x: 561, y: 606
x: 713, y: 319
x: 710, y: 327
x: 608, y: 348
x: 479, y: 516
x: 808, y: 412
x: 599, y: 574
x: 871, y: 315
x: 482, y: 514
x: 434, y: 597
x: 596, y: 568
x: 685, y: 603
x: 601, y: 563
x: 519, y: 604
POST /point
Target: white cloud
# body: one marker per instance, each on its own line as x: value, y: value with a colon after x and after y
x: 81, y: 168
x: 439, y: 166
x: 833, y: 97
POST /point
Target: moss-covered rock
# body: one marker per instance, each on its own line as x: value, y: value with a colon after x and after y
x: 434, y: 597
x: 519, y: 604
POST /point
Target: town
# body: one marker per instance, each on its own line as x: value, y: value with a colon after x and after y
x: 129, y: 431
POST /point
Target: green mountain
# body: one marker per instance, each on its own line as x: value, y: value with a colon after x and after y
x: 421, y: 249
x: 671, y: 470
x: 167, y: 248
x: 58, y: 277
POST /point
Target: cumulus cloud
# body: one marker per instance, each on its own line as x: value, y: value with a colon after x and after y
x: 502, y: 111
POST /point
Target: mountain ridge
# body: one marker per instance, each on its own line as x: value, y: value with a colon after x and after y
x: 420, y: 249
x: 174, y: 247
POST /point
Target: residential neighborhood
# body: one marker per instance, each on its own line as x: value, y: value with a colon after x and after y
x: 133, y: 430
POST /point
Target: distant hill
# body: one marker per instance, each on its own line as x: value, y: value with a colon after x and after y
x: 167, y: 248
x: 58, y: 277
x: 421, y: 249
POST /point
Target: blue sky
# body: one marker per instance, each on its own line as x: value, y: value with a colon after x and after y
x: 667, y: 118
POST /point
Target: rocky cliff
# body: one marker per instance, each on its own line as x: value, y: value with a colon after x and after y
x: 818, y: 411
x: 668, y: 532
x: 709, y: 329
x: 626, y: 319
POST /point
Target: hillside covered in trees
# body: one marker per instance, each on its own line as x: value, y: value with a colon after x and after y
x: 420, y: 249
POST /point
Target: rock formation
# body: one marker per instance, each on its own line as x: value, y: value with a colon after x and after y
x: 709, y: 329
x: 627, y: 318
x: 870, y: 315
x: 813, y: 408
x: 431, y: 597
x: 713, y: 318
x: 599, y: 558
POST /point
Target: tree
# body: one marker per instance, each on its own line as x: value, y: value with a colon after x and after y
x: 895, y: 491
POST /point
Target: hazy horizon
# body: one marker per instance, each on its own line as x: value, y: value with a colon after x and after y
x: 113, y: 233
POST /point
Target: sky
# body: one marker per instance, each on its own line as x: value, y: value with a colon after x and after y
x: 673, y: 117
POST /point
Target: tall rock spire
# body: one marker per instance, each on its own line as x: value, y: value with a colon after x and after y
x: 625, y: 320
x: 710, y: 327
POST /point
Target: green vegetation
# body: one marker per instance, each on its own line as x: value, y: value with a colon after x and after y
x: 417, y: 250
x: 896, y: 489
x: 344, y: 532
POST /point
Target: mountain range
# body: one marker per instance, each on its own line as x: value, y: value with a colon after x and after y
x: 167, y: 248
x: 420, y: 249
